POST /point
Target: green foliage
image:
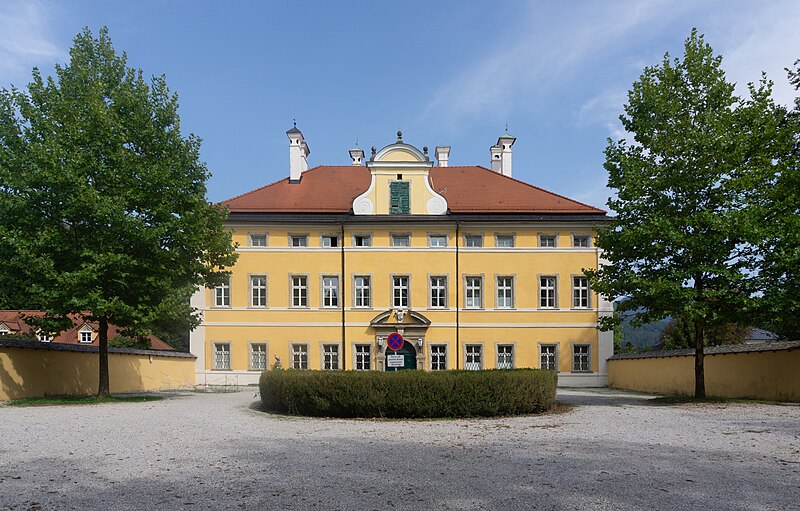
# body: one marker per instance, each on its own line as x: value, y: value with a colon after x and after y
x: 680, y: 334
x: 102, y: 199
x: 19, y: 337
x: 137, y: 343
x: 408, y: 394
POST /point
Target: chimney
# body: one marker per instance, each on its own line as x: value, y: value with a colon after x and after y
x: 505, y: 142
x: 298, y: 154
x: 496, y: 155
x: 442, y: 154
x: 357, y: 155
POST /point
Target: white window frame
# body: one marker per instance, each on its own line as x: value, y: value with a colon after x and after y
x: 581, y: 293
x: 581, y: 236
x: 299, y: 354
x: 258, y: 235
x: 222, y: 294
x: 41, y: 335
x: 505, y: 360
x: 329, y: 356
x: 395, y: 287
x: 548, y: 235
x: 473, y: 351
x: 362, y: 357
x: 441, y: 237
x: 438, y: 360
x: 548, y: 288
x: 473, y: 237
x: 223, y: 354
x: 470, y: 291
x: 256, y: 348
x: 85, y: 333
x: 254, y: 288
x: 362, y: 295
x: 553, y: 356
x: 500, y: 302
x: 587, y: 355
x: 505, y: 235
x: 439, y: 299
x: 298, y: 236
x: 330, y: 300
x: 300, y: 287
x: 396, y: 236
x: 363, y: 236
x: 326, y: 240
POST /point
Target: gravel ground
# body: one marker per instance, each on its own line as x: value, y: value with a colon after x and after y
x: 215, y: 451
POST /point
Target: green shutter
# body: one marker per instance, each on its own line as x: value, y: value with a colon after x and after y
x: 399, y: 197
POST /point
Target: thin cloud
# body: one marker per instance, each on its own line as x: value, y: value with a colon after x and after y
x: 25, y: 40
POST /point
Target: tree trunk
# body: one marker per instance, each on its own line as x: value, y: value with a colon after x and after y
x: 103, y: 389
x: 699, y: 372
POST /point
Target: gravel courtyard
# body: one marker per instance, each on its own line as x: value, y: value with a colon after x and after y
x: 215, y: 451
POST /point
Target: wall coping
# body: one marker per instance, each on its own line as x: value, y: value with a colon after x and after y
x: 55, y: 346
x: 714, y: 350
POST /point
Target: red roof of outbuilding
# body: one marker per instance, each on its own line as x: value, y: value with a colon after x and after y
x: 331, y: 189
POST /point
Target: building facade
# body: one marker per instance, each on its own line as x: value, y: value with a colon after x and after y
x: 455, y: 267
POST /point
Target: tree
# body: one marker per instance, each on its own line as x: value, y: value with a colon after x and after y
x: 102, y: 200
x: 681, y: 242
x: 679, y: 334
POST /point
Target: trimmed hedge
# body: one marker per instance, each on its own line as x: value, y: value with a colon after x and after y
x: 408, y: 394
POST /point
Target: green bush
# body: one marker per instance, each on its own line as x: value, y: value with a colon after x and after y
x: 408, y: 394
x: 137, y: 343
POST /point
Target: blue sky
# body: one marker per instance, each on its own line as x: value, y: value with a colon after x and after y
x: 446, y: 73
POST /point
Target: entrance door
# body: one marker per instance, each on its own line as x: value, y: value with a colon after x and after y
x: 409, y: 354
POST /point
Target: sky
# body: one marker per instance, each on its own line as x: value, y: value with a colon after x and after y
x: 445, y: 73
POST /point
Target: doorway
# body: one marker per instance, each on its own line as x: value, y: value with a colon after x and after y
x: 409, y: 354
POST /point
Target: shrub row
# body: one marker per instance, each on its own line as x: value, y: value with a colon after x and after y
x: 408, y: 394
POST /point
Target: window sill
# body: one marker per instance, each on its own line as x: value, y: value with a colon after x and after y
x: 220, y: 307
x: 221, y: 370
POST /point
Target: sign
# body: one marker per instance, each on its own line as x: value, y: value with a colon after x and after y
x: 394, y: 341
x: 395, y: 360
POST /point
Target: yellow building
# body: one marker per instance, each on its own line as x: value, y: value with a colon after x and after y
x: 455, y: 267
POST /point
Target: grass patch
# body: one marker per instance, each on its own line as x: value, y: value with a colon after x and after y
x: 80, y: 400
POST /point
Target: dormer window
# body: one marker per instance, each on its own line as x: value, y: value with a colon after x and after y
x: 399, y: 202
x: 85, y: 335
x: 44, y: 336
x: 4, y: 330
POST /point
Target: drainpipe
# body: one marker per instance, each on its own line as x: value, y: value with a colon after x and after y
x: 342, y: 294
x: 458, y: 287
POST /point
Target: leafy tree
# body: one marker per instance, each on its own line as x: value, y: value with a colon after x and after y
x: 679, y: 334
x: 102, y: 200
x: 681, y: 240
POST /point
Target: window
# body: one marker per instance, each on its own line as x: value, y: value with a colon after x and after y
x: 362, y: 240
x: 504, y: 240
x: 473, y: 354
x: 547, y: 357
x: 298, y: 240
x: 329, y: 241
x: 400, y: 291
x: 581, y: 240
x: 85, y: 335
x: 547, y: 292
x: 505, y: 292
x: 399, y: 203
x: 362, y: 292
x: 330, y: 357
x: 473, y: 293
x: 580, y: 358
x: 580, y: 292
x: 363, y: 357
x: 258, y: 240
x: 437, y: 240
x: 473, y: 240
x: 505, y: 356
x: 222, y: 356
x: 4, y: 330
x: 258, y: 357
x: 330, y: 291
x: 548, y: 240
x: 258, y: 291
x: 438, y: 292
x: 222, y: 295
x: 299, y: 291
x: 438, y: 357
x: 299, y: 356
x: 401, y: 240
x: 43, y: 336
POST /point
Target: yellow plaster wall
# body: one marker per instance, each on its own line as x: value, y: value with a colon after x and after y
x: 28, y: 372
x: 769, y: 375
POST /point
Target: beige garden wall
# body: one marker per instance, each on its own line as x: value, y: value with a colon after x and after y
x: 31, y: 372
x: 763, y: 374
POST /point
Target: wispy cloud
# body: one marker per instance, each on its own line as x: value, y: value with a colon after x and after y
x: 537, y: 56
x: 25, y: 40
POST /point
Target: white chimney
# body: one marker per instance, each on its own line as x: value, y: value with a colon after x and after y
x: 505, y: 142
x: 442, y: 154
x: 298, y: 154
x: 357, y: 155
x: 496, y: 155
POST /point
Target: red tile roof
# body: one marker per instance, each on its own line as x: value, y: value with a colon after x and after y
x: 329, y: 189
x: 13, y: 319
